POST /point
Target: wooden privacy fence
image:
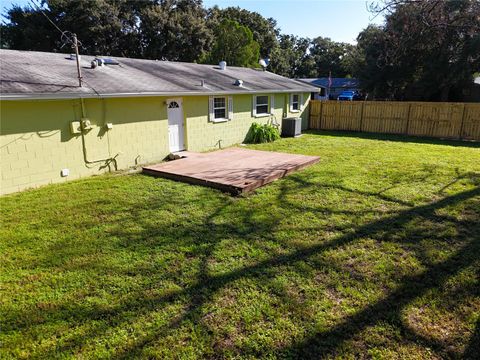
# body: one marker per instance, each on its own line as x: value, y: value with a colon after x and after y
x: 439, y: 120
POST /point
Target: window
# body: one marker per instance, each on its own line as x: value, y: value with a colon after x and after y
x: 262, y: 105
x: 296, y: 102
x: 220, y: 108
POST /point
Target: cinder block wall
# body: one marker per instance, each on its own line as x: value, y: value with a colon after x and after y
x: 36, y: 142
x: 204, y: 135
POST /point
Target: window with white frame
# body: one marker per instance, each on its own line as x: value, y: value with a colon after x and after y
x: 295, y: 102
x: 220, y: 108
x: 261, y: 105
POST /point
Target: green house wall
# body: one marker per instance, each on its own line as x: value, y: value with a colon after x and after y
x: 36, y: 142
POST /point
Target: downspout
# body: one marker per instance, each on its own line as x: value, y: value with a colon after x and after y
x: 107, y: 161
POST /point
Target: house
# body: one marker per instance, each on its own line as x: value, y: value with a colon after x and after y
x: 331, y: 92
x: 127, y: 113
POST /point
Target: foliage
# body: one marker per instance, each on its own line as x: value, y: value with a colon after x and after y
x: 427, y: 50
x: 104, y: 27
x: 330, y: 56
x: 371, y: 253
x: 175, y: 30
x: 168, y: 30
x: 368, y: 66
x: 234, y: 44
x: 264, y: 30
x: 301, y: 57
x: 259, y: 133
x: 289, y: 57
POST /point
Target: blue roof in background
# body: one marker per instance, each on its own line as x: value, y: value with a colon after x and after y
x: 336, y: 82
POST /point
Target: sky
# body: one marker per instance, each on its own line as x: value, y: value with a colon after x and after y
x: 340, y: 20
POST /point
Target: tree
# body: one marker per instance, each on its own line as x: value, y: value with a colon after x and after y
x: 175, y: 30
x: 156, y: 29
x: 368, y: 63
x: 234, y: 44
x: 28, y: 29
x: 330, y: 56
x: 428, y: 50
x: 290, y: 58
x: 264, y: 30
x: 101, y: 25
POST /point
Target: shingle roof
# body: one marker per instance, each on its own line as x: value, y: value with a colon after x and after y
x: 336, y: 82
x: 42, y: 74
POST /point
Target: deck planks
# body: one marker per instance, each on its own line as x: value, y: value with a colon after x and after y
x: 234, y: 170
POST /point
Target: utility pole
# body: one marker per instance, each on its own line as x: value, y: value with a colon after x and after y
x: 79, y: 71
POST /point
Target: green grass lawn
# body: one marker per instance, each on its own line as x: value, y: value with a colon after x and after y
x: 374, y: 252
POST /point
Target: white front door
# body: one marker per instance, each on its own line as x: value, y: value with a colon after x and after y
x: 175, y: 124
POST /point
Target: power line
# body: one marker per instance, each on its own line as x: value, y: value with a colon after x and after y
x: 66, y: 37
x: 51, y: 22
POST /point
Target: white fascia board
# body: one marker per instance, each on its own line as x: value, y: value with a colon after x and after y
x: 145, y: 94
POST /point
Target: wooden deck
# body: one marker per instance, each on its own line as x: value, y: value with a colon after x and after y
x: 233, y: 170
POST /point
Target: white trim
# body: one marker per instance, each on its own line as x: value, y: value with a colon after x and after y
x: 56, y: 96
x: 212, y: 109
x: 292, y: 110
x: 272, y: 104
x: 179, y: 101
x: 230, y: 107
x: 256, y: 105
x: 211, y: 116
x: 181, y: 134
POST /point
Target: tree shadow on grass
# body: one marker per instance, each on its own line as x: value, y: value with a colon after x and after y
x: 198, y: 292
x: 472, y: 348
x: 323, y: 344
x: 389, y: 309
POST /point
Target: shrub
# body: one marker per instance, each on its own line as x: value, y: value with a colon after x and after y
x: 262, y: 133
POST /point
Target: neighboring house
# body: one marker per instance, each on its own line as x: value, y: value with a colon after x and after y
x: 331, y: 92
x: 133, y: 113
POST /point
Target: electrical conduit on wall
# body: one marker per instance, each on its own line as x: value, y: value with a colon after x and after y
x: 107, y: 160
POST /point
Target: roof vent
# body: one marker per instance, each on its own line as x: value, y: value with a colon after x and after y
x: 264, y: 63
x: 239, y: 83
x: 103, y: 62
x: 222, y: 65
x: 74, y: 57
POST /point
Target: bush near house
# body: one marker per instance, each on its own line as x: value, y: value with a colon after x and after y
x: 259, y: 133
x: 372, y: 252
